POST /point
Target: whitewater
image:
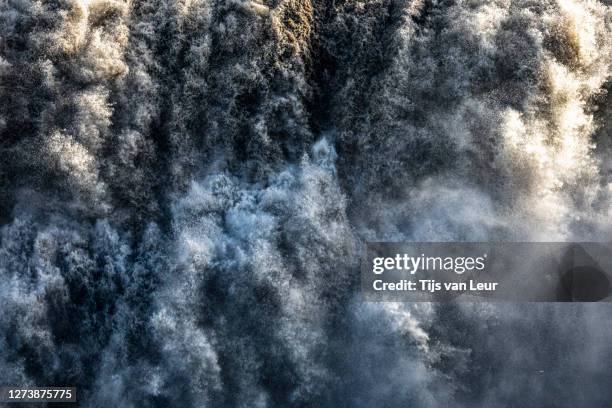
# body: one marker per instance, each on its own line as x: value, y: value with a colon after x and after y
x: 186, y: 187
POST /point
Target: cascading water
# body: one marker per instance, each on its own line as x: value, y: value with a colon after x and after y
x: 185, y: 186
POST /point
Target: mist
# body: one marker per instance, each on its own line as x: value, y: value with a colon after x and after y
x: 186, y: 187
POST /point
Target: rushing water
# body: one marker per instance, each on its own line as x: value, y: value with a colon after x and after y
x: 185, y: 187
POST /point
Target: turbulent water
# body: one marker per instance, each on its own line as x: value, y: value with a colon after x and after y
x: 186, y: 186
